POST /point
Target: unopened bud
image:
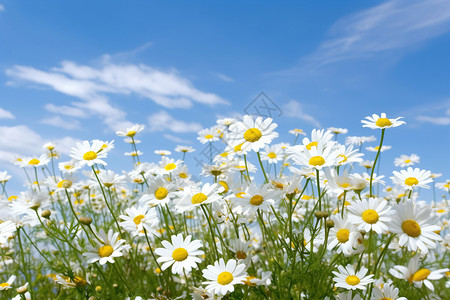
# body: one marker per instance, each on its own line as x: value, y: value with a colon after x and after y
x: 46, y: 214
x: 23, y: 289
x: 321, y: 214
x: 36, y: 206
x: 86, y: 220
x: 330, y: 223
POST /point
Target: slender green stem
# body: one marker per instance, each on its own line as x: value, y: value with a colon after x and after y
x: 375, y: 161
x: 262, y: 167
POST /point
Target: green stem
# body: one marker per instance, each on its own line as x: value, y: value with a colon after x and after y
x: 375, y: 161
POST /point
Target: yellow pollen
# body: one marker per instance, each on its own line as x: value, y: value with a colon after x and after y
x: 183, y: 175
x: 352, y: 280
x: 256, y: 200
x: 441, y: 211
x: 272, y: 155
x: 34, y: 161
x: 11, y: 198
x: 241, y: 255
x: 411, y: 228
x: 410, y: 181
x: 225, y: 186
x: 252, y: 135
x: 138, y: 219
x: 370, y: 216
x: 131, y: 133
x: 344, y: 185
x: 407, y: 161
x: 4, y: 284
x: 105, y: 251
x: 312, y: 144
x: 239, y: 195
x: 420, y: 275
x: 383, y: 122
x: 170, y: 167
x: 64, y: 184
x: 208, y: 136
x: 90, y: 155
x: 68, y: 167
x: 316, y: 161
x: 198, y: 198
x: 342, y: 235
x: 225, y: 278
x: 161, y: 193
x: 179, y: 254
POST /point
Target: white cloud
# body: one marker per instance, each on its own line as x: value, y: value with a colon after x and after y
x: 57, y: 121
x: 391, y: 26
x: 2, y: 8
x: 93, y: 85
x: 437, y: 113
x: 177, y: 139
x: 66, y: 110
x: 434, y: 120
x: 223, y: 77
x: 294, y: 109
x: 162, y: 121
x: 4, y: 114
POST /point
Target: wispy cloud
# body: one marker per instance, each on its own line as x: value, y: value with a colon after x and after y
x: 177, y: 139
x: 66, y: 110
x: 396, y: 25
x: 4, y: 114
x: 162, y: 121
x: 2, y: 8
x: 294, y: 109
x: 437, y: 114
x: 93, y: 85
x: 57, y: 121
x: 223, y: 77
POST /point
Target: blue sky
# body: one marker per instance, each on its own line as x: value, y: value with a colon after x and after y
x: 81, y: 70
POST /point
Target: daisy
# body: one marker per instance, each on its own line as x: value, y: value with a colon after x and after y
x: 317, y: 156
x: 7, y: 229
x: 4, y: 177
x: 349, y: 296
x: 375, y: 149
x: 348, y: 156
x: 240, y: 249
x: 406, y: 160
x: 349, y: 279
x: 208, y: 135
x: 222, y: 277
x: 162, y: 152
x: 258, y: 197
x: 226, y: 121
x: 370, y: 214
x: 69, y: 167
x: 112, y: 247
x: 7, y: 285
x: 160, y: 191
x: 297, y: 132
x: 386, y: 291
x: 359, y: 140
x: 169, y: 165
x: 138, y: 219
x: 34, y: 161
x: 85, y: 153
x: 413, y: 222
x: 445, y: 186
x: 346, y: 236
x: 417, y: 276
x: 131, y: 131
x: 181, y: 254
x: 381, y: 122
x: 336, y: 130
x: 252, y: 134
x: 319, y: 136
x: 272, y: 154
x: 411, y: 178
x: 193, y: 196
x: 111, y: 179
x: 184, y: 149
x: 133, y: 153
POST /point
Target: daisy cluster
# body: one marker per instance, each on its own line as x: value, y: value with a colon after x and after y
x: 308, y: 219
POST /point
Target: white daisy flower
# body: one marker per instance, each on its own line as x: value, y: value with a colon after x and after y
x: 34, y: 161
x: 413, y: 222
x: 349, y: 279
x: 381, y: 122
x: 208, y: 135
x: 386, y: 291
x: 297, y: 132
x: 7, y: 229
x: 373, y: 213
x: 316, y: 156
x: 160, y: 191
x: 131, y: 131
x: 193, y: 196
x: 406, y: 160
x: 272, y: 154
x: 411, y: 178
x: 375, y: 149
x: 222, y: 277
x: 112, y: 247
x: 337, y: 130
x: 169, y: 165
x: 252, y: 134
x: 69, y: 167
x: 136, y: 219
x: 184, y: 149
x: 163, y: 152
x: 181, y: 254
x: 258, y: 197
x: 346, y: 236
x: 87, y: 154
x: 349, y: 296
x: 7, y: 285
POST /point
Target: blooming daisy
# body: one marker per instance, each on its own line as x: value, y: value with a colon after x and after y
x: 385, y: 292
x: 415, y: 275
x: 34, y: 161
x: 131, y: 131
x: 349, y: 279
x: 69, y: 167
x: 252, y: 134
x: 272, y: 154
x: 222, y: 277
x: 85, y: 153
x: 193, y: 196
x: 375, y: 149
x: 297, y: 132
x: 406, y: 160
x: 133, y: 153
x: 184, y: 149
x: 7, y: 285
x: 208, y: 135
x: 181, y: 254
x: 136, y: 219
x: 169, y: 165
x: 411, y: 178
x: 368, y: 214
x: 317, y: 156
x: 359, y: 140
x: 381, y: 122
x: 258, y: 197
x: 4, y: 177
x: 162, y: 152
x: 336, y: 130
x: 413, y: 222
x: 112, y: 247
x: 346, y: 236
x: 349, y: 296
x: 7, y: 229
x: 160, y: 191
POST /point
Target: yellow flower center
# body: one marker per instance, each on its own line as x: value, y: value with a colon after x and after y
x: 370, y: 216
x: 383, y: 122
x: 238, y: 148
x: 407, y: 161
x: 170, y: 167
x: 198, y: 198
x: 4, y: 284
x: 420, y: 275
x: 411, y: 228
x: 387, y: 298
x: 344, y: 185
x: 342, y: 235
x: 179, y: 254
x: 90, y: 155
x: 225, y: 278
x: 161, y: 193
x: 252, y: 135
x: 312, y: 144
x: 352, y: 280
x: 410, y: 181
x: 64, y: 184
x: 316, y: 161
x: 131, y: 133
x: 208, y: 136
x: 105, y: 251
x: 34, y: 161
x: 256, y: 200
x: 225, y: 186
x: 272, y: 155
x: 138, y: 219
x: 241, y: 255
x: 239, y: 195
x: 68, y: 167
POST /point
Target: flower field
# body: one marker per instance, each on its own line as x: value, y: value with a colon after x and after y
x: 310, y: 218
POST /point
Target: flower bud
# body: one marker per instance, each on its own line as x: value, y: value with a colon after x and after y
x: 86, y: 220
x: 46, y: 214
